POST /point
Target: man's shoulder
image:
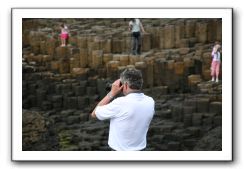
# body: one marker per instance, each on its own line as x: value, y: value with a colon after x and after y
x: 119, y: 99
x: 149, y: 98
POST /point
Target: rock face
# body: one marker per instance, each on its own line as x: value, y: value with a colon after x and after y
x: 36, y: 130
x: 214, y: 137
x: 61, y: 85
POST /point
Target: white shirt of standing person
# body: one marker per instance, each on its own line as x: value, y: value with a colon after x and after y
x: 135, y: 26
x: 130, y: 117
x: 65, y: 30
x: 216, y: 54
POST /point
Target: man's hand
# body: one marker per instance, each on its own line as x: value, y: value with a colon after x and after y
x: 116, y: 88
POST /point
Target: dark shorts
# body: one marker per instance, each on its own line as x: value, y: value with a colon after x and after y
x: 136, y: 34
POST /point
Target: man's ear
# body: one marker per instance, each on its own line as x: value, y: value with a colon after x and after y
x: 126, y: 85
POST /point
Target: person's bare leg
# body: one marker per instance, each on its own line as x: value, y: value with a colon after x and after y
x: 217, y: 79
x: 62, y: 42
x: 217, y: 72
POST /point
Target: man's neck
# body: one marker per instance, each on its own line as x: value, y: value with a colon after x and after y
x: 133, y: 91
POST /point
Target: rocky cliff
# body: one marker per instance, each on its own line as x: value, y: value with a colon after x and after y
x: 61, y: 85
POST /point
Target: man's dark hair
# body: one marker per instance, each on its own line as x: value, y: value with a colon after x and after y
x: 133, y: 77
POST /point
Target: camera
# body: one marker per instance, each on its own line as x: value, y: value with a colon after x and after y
x: 109, y: 86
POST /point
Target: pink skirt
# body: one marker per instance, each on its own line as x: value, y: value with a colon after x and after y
x: 64, y: 36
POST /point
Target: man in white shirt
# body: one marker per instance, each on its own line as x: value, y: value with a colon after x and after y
x: 135, y: 26
x: 130, y: 115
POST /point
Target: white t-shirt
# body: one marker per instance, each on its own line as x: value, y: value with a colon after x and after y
x: 135, y: 25
x: 65, y: 30
x: 216, y: 56
x: 130, y: 117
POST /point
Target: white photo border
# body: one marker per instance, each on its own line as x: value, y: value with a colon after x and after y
x: 227, y: 137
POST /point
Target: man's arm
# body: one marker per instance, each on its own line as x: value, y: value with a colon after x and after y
x: 104, y: 101
x: 116, y: 89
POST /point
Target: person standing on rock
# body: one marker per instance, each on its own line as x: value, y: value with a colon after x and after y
x: 130, y: 115
x: 135, y: 26
x: 215, y: 65
x: 64, y: 34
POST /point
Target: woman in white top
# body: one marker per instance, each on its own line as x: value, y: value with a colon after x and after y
x: 216, y: 60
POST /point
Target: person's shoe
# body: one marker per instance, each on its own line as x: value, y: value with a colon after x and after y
x: 217, y: 80
x: 213, y: 79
